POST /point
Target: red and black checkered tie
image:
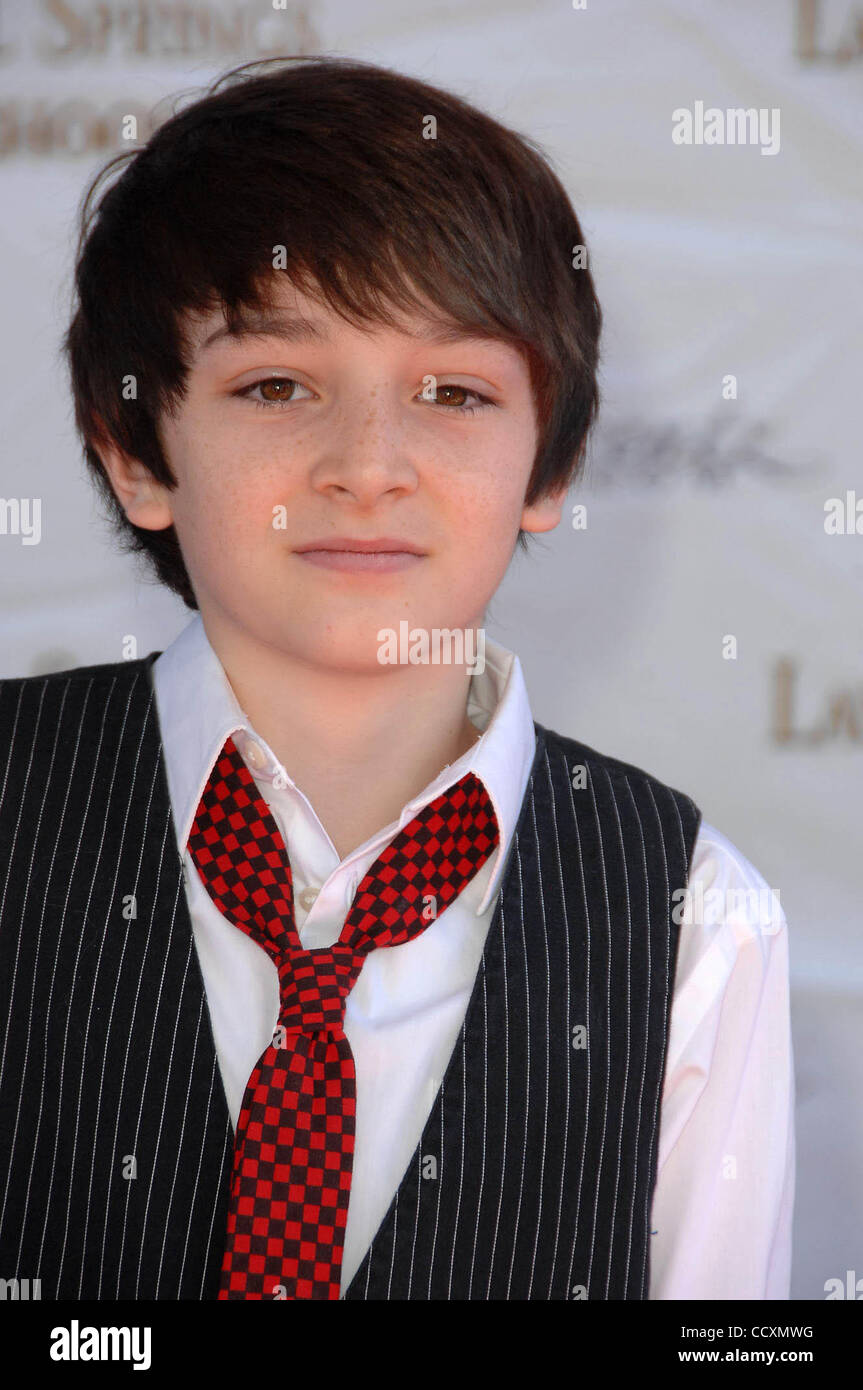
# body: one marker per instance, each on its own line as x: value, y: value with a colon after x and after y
x: 294, y: 1143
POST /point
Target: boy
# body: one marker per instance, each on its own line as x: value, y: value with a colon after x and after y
x: 327, y: 976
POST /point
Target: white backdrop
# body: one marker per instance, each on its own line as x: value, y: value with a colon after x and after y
x: 705, y: 515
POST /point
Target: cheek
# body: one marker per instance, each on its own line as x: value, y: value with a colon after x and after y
x: 220, y: 499
x: 486, y: 506
x: 482, y: 528
x: 502, y: 469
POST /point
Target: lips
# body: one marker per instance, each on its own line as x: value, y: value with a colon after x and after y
x: 386, y: 545
x: 349, y: 555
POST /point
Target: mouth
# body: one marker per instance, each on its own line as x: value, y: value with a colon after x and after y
x: 380, y: 556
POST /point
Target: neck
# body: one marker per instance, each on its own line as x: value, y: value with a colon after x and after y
x: 358, y: 745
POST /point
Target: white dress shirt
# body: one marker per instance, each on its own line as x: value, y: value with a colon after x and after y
x: 725, y: 1186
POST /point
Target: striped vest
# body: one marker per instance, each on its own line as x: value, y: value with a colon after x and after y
x: 534, y: 1174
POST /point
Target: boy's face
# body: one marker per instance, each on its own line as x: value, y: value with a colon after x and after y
x: 347, y: 449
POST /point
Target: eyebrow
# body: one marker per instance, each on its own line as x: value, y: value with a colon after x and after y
x: 298, y: 329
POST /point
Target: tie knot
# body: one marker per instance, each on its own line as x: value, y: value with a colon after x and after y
x: 313, y: 987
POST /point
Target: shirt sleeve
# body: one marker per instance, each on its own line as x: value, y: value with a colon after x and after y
x: 722, y: 1207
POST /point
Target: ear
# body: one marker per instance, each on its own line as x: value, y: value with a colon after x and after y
x: 545, y: 513
x: 145, y: 502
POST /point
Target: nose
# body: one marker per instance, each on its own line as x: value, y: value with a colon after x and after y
x: 366, y: 456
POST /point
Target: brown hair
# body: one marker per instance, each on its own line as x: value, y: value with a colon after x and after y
x: 327, y: 157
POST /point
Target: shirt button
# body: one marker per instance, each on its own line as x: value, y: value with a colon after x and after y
x: 308, y: 898
x: 255, y: 754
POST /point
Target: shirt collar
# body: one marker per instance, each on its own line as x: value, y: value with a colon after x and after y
x: 198, y: 709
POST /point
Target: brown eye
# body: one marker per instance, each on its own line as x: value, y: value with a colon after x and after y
x: 459, y: 390
x: 277, y: 388
x: 445, y: 392
x: 275, y: 391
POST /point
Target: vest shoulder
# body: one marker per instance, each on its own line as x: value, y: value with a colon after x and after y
x: 61, y: 721
x: 616, y: 768
x: 103, y: 671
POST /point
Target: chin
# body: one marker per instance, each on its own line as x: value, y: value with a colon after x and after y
x: 348, y: 658
x: 335, y: 645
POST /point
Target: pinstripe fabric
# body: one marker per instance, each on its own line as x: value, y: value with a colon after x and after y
x: 545, y: 1153
x: 106, y: 1052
